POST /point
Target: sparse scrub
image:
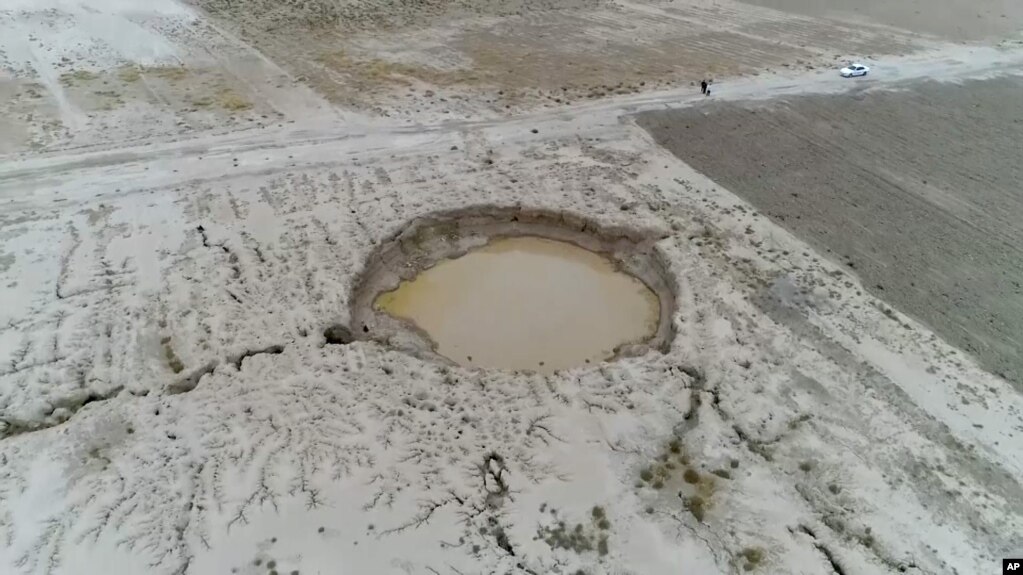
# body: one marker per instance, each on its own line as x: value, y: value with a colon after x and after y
x: 695, y: 489
x: 231, y: 101
x: 796, y: 422
x: 753, y: 557
x: 167, y: 73
x: 661, y: 471
x: 697, y: 506
x: 129, y: 74
x: 76, y: 77
x: 172, y: 359
x: 581, y: 538
x: 201, y: 101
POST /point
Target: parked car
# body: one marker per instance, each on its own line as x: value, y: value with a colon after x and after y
x: 854, y: 70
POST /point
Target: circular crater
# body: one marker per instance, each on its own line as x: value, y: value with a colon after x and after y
x: 516, y: 289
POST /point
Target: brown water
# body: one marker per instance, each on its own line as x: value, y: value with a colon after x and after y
x: 526, y: 303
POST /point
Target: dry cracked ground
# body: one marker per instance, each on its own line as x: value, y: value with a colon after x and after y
x: 189, y: 192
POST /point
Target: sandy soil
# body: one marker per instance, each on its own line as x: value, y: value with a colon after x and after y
x: 174, y: 327
x: 170, y: 260
x: 917, y: 191
x: 462, y: 59
x: 77, y: 74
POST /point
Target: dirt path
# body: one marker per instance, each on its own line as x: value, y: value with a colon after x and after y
x: 92, y: 164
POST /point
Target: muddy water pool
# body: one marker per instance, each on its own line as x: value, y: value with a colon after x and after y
x: 526, y: 303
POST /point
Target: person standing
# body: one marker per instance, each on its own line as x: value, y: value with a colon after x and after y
x: 703, y: 86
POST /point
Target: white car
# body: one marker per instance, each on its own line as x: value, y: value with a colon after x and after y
x: 854, y: 70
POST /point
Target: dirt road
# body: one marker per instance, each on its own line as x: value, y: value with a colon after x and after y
x: 86, y: 172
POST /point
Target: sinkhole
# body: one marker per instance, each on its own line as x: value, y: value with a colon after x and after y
x: 516, y: 290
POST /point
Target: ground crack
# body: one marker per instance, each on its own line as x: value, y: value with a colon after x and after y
x: 843, y: 532
x: 190, y: 382
x: 11, y: 427
x: 205, y: 238
x: 271, y: 350
x: 232, y: 258
x: 691, y: 417
x: 836, y: 567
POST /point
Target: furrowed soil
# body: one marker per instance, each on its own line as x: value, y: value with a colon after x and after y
x: 954, y: 20
x: 916, y: 191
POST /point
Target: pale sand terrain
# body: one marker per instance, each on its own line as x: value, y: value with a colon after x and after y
x: 188, y: 200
